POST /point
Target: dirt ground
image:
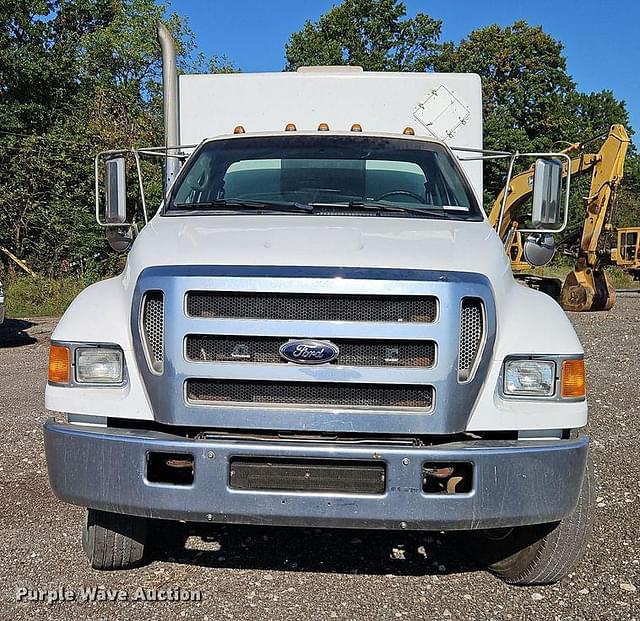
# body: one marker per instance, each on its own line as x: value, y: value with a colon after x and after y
x: 276, y: 573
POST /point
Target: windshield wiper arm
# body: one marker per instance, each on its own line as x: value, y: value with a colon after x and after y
x: 374, y: 206
x: 237, y: 203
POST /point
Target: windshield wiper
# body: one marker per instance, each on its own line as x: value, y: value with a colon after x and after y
x: 236, y: 203
x: 375, y: 206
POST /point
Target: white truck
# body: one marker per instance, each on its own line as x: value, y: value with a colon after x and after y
x: 318, y: 327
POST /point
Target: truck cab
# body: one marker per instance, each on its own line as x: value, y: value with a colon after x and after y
x: 318, y: 327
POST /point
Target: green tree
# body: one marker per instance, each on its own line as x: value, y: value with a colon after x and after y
x: 375, y: 34
x: 76, y: 77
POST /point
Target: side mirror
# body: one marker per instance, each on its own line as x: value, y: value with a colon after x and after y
x: 116, y: 191
x: 547, y: 194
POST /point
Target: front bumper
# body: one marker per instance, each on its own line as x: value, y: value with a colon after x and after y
x: 514, y: 482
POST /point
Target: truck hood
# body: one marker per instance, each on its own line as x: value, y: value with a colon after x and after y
x: 327, y: 241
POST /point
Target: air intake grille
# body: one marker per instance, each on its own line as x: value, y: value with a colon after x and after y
x: 358, y: 396
x: 308, y: 475
x: 471, y: 336
x: 153, y: 328
x: 311, y: 307
x: 203, y: 348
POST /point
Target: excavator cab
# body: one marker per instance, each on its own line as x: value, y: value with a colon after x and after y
x: 626, y: 254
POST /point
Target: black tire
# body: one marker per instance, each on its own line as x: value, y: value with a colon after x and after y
x: 114, y: 541
x: 545, y: 553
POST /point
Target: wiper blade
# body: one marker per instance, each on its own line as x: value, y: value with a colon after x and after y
x: 236, y: 203
x: 374, y: 206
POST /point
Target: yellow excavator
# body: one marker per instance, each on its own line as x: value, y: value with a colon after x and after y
x: 586, y: 287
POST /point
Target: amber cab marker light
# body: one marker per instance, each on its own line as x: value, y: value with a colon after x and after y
x: 290, y: 127
x: 573, y: 383
x: 238, y: 129
x: 408, y: 131
x: 356, y: 127
x: 59, y: 364
x: 323, y: 127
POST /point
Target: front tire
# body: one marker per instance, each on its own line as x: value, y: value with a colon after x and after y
x: 114, y: 541
x: 544, y: 553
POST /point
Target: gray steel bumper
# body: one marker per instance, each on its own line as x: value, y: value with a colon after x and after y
x: 515, y: 483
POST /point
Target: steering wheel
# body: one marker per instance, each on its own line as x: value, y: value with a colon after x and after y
x: 419, y: 198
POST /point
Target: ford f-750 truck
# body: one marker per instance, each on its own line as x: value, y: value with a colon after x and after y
x: 318, y: 327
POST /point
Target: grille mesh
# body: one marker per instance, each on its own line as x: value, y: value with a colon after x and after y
x: 153, y: 328
x: 311, y: 307
x: 360, y: 396
x: 213, y: 348
x: 308, y: 475
x: 471, y: 335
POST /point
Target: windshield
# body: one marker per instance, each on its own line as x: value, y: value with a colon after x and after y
x: 394, y: 174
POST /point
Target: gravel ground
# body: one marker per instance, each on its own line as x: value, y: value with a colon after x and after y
x: 275, y: 573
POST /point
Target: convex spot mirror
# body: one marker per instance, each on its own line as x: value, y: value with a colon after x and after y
x: 538, y: 249
x: 120, y: 238
x: 116, y: 190
x: 547, y: 194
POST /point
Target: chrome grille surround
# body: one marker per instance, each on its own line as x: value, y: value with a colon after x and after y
x: 452, y: 401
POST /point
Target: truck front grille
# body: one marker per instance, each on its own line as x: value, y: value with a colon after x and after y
x: 339, y: 395
x: 311, y: 307
x: 471, y: 336
x: 413, y: 347
x: 359, y: 353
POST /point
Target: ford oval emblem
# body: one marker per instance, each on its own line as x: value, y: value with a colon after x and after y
x: 308, y: 351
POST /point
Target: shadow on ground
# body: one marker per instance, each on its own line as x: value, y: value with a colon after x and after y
x: 13, y: 333
x: 313, y: 550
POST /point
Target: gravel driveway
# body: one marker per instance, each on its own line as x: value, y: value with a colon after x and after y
x: 276, y: 573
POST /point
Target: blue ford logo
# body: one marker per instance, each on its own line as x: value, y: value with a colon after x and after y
x: 309, y: 352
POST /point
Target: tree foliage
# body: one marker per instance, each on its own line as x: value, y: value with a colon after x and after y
x: 375, y: 34
x: 76, y: 77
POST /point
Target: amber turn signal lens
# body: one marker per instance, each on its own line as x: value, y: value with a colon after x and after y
x: 59, y: 364
x: 573, y: 383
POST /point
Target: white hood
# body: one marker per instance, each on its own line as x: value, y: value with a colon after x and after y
x: 325, y: 241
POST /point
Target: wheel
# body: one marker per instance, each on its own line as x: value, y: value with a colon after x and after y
x: 114, y: 541
x: 541, y: 554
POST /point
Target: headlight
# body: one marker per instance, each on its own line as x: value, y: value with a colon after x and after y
x: 98, y: 365
x: 535, y: 378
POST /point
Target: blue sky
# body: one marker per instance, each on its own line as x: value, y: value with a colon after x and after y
x: 601, y: 39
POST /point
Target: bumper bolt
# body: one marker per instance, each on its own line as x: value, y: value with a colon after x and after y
x: 211, y: 455
x: 403, y: 525
x: 405, y: 462
x: 209, y: 517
